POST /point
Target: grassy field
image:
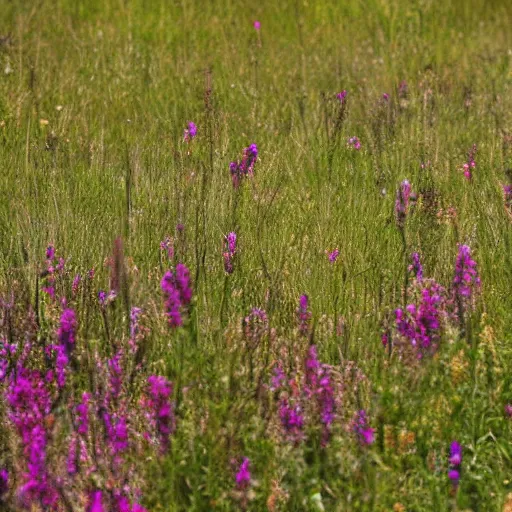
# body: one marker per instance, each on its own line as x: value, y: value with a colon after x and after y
x: 94, y: 100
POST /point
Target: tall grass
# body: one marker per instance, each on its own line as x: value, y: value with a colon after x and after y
x: 94, y: 98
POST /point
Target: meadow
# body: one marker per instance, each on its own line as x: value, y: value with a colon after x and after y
x: 255, y: 256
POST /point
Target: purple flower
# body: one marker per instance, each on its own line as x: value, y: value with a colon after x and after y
x: 385, y: 96
x: 292, y: 420
x: 404, y: 198
x: 178, y: 291
x: 96, y: 502
x: 76, y: 284
x: 82, y: 410
x: 466, y: 278
x: 416, y: 266
x: 190, y: 132
x: 507, y: 193
x: 243, y: 476
x: 355, y: 143
x: 364, y: 432
x: 72, y: 456
x: 67, y: 330
x: 167, y: 246
x: 333, y: 256
x: 454, y: 476
x: 229, y: 253
x: 257, y: 25
x: 278, y: 379
x: 161, y: 409
x: 303, y: 315
x: 455, y: 462
x: 245, y: 167
x: 4, y: 482
x: 470, y: 164
x: 508, y: 410
x: 341, y: 96
x: 50, y: 252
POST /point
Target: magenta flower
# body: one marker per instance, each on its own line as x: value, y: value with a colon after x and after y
x: 508, y: 410
x: 229, y: 253
x: 178, y: 292
x: 4, y: 482
x: 341, y: 96
x: 243, y: 476
x: 161, y: 409
x: 96, y: 502
x: 385, y: 97
x: 404, y: 200
x: 470, y: 164
x: 82, y: 410
x: 355, y: 143
x: 455, y: 460
x: 67, y: 330
x: 190, y: 132
x: 292, y: 420
x: 364, y: 432
x: 303, y: 315
x: 76, y: 284
x: 333, y: 256
x: 466, y: 277
x: 245, y: 167
x: 257, y: 25
x: 416, y: 267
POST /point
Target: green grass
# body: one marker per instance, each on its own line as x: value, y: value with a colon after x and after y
x: 111, y: 162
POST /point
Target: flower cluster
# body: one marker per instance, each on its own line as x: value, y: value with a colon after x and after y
x: 470, y: 164
x: 355, y: 143
x: 420, y: 323
x: 303, y: 315
x: 53, y: 268
x: 333, y: 256
x: 190, y: 132
x: 455, y: 462
x: 177, y: 289
x: 255, y: 326
x: 465, y: 279
x: 416, y: 267
x: 243, y: 475
x: 160, y: 409
x: 245, y: 167
x: 229, y: 252
x: 341, y: 96
x: 365, y: 434
x: 404, y: 200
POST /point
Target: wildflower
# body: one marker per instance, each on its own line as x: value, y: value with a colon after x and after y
x: 96, y: 502
x: 257, y: 25
x: 507, y: 193
x: 67, y: 330
x: 292, y: 420
x: 303, y: 315
x: 167, y: 246
x: 278, y: 379
x: 333, y: 256
x: 178, y: 291
x: 365, y: 434
x: 190, y: 132
x: 470, y: 164
x: 160, y: 407
x: 508, y: 410
x: 229, y: 253
x: 245, y: 167
x: 385, y: 96
x: 404, y: 198
x: 243, y: 476
x: 4, y: 482
x: 82, y: 410
x: 76, y: 284
x: 355, y: 143
x: 255, y: 326
x: 72, y: 456
x: 455, y: 460
x: 466, y: 277
x: 134, y: 326
x: 50, y: 252
x: 341, y: 96
x: 416, y: 266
